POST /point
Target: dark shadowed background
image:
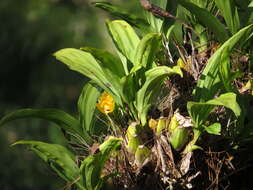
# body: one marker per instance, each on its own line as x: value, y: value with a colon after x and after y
x: 30, y: 32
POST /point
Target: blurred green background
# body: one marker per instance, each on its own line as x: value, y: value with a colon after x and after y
x: 31, y: 31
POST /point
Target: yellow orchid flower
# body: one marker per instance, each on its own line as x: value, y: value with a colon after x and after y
x: 183, y: 65
x: 105, y: 103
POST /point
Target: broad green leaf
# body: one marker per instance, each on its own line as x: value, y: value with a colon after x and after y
x: 156, y: 22
x: 206, y: 19
x: 199, y: 111
x: 87, y: 65
x: 206, y: 86
x: 124, y: 37
x: 61, y: 160
x: 112, y: 68
x: 154, y: 80
x: 140, y: 23
x: 129, y: 87
x: 107, y: 61
x: 83, y: 63
x: 225, y: 71
x: 230, y: 14
x: 111, y: 144
x: 92, y: 166
x: 133, y: 137
x: 214, y: 129
x: 59, y: 117
x: 146, y: 50
x: 251, y: 4
x: 87, y: 106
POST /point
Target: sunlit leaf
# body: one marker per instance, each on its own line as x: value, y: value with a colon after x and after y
x: 86, y: 106
x: 207, y: 84
x: 214, y: 129
x: 92, y: 166
x: 153, y: 82
x: 146, y: 50
x: 230, y: 14
x: 124, y: 37
x: 199, y: 111
x: 155, y: 21
x: 87, y: 65
x: 132, y: 19
x: 251, y: 4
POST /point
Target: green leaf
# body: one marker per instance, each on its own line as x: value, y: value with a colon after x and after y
x: 124, y: 37
x: 214, y: 129
x: 59, y: 117
x: 92, y: 166
x: 108, y: 62
x: 169, y: 23
x: 133, y: 137
x: 138, y: 22
x: 61, y: 160
x: 230, y: 14
x: 179, y: 138
x: 251, y: 4
x: 109, y: 145
x: 146, y: 51
x: 87, y: 106
x: 199, y: 111
x: 87, y: 65
x: 113, y: 70
x: 206, y: 19
x: 152, y: 85
x: 225, y: 71
x: 209, y: 79
x: 156, y: 22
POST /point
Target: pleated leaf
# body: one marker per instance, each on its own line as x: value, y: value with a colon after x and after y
x: 156, y: 22
x: 207, y: 84
x: 199, y: 111
x: 61, y: 160
x: 146, y: 51
x: 124, y: 37
x: 59, y: 117
x: 87, y: 106
x: 87, y: 65
x: 112, y: 68
x: 92, y: 166
x: 132, y: 19
x: 230, y: 14
x: 206, y: 19
x: 152, y: 85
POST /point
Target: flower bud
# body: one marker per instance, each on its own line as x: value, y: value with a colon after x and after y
x: 178, y: 135
x: 161, y: 125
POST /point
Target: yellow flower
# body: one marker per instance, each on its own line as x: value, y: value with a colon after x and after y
x: 183, y: 65
x: 105, y: 103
